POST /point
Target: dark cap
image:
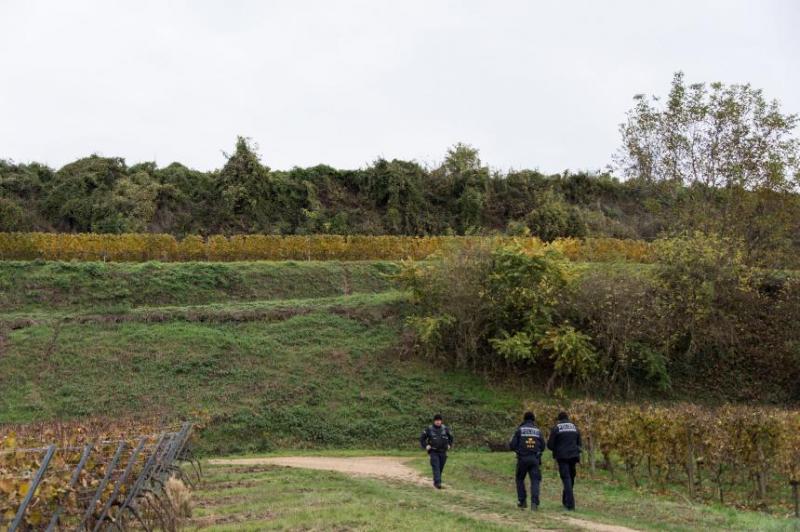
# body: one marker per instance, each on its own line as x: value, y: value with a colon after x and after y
x: 562, y: 416
x: 528, y: 416
x: 437, y: 416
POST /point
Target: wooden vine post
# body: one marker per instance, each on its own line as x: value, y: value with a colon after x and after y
x: 691, y: 463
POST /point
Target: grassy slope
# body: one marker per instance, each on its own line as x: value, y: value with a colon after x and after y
x: 118, y: 286
x: 280, y: 355
x: 179, y: 338
x: 481, y: 497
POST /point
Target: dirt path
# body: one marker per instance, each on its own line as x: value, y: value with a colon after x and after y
x: 368, y: 466
x: 391, y: 468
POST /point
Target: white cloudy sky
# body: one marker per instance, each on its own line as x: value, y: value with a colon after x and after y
x: 531, y: 84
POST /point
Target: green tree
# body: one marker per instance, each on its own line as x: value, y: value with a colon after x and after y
x: 245, y: 191
x: 733, y: 150
x: 20, y: 195
x: 79, y: 197
x: 12, y: 217
x: 553, y: 218
x: 462, y: 180
x: 396, y: 188
x: 184, y: 201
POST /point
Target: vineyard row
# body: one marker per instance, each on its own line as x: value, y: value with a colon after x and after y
x: 90, y: 486
x: 137, y: 247
x: 735, y: 454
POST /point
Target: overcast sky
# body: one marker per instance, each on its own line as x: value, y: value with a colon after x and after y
x: 531, y: 84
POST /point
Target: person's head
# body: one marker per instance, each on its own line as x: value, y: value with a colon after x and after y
x: 437, y: 420
x: 562, y: 416
x: 528, y: 416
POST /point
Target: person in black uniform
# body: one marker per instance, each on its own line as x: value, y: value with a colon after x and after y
x: 565, y: 442
x: 528, y: 443
x: 436, y: 439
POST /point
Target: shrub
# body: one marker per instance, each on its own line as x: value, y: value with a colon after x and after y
x: 495, y: 308
x: 621, y: 313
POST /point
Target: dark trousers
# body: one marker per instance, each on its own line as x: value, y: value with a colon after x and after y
x: 566, y: 470
x: 438, y: 459
x: 528, y: 466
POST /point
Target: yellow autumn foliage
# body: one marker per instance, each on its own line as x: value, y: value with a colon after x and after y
x: 684, y: 442
x: 137, y: 247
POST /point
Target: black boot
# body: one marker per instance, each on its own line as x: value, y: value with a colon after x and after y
x: 534, y: 507
x: 522, y: 505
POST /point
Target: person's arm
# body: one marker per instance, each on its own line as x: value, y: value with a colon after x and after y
x: 514, y: 443
x: 580, y: 445
x: 551, y: 441
x: 423, y: 439
x: 542, y: 445
x: 449, y: 437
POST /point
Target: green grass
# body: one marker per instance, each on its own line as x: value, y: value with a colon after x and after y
x: 97, y: 285
x: 274, y: 498
x: 266, y: 372
x: 280, y: 357
x: 599, y: 499
x: 479, y: 496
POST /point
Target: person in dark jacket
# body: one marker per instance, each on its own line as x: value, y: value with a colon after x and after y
x: 437, y: 439
x: 528, y: 443
x: 565, y: 442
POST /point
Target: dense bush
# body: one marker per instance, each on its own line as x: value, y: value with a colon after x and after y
x: 698, y: 320
x: 619, y: 309
x: 728, y: 324
x: 496, y: 308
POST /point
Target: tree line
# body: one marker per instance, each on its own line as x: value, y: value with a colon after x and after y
x: 713, y: 158
x: 461, y: 196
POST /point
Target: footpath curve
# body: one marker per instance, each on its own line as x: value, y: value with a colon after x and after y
x: 388, y: 468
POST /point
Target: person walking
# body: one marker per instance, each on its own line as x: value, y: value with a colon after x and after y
x: 565, y: 442
x: 529, y: 445
x: 437, y: 439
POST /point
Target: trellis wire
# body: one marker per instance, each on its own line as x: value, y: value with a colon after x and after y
x: 87, y: 450
x: 168, y: 449
x: 32, y: 488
